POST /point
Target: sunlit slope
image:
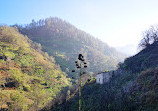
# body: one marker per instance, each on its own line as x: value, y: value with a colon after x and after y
x: 29, y: 78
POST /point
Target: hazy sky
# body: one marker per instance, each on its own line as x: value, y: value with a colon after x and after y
x: 119, y: 23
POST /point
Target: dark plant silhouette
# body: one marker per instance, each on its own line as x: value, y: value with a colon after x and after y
x: 80, y: 64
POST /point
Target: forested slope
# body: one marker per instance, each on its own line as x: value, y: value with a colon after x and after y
x: 64, y: 41
x: 134, y: 88
x: 29, y: 78
x: 146, y: 58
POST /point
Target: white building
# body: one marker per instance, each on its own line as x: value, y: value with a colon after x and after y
x: 103, y: 77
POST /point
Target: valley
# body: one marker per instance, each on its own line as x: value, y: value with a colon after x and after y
x: 37, y: 59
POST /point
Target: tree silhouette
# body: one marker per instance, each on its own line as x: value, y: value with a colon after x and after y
x: 150, y: 36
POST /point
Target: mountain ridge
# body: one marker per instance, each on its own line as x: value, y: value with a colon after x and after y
x: 60, y: 39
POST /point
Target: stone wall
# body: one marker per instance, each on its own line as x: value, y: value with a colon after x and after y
x: 105, y: 77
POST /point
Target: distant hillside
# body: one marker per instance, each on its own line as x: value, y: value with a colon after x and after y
x: 64, y: 41
x: 29, y: 78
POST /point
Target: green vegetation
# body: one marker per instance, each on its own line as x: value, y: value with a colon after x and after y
x: 32, y: 80
x: 29, y: 78
x: 135, y: 88
x: 64, y: 42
